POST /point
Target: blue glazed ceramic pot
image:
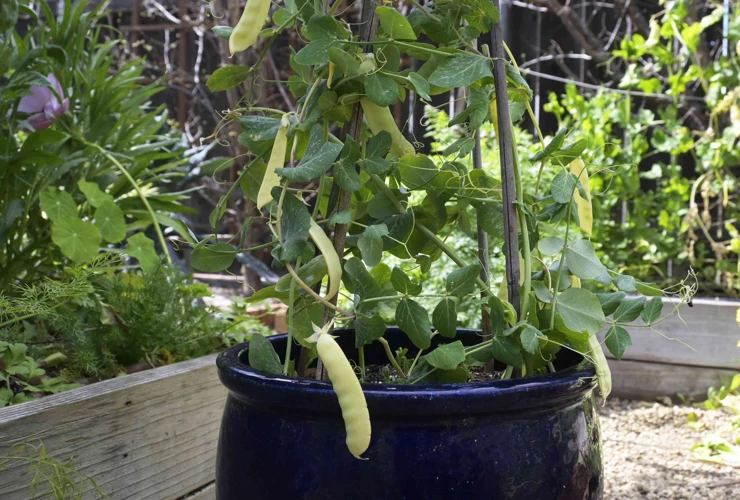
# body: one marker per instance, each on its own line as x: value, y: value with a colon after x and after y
x: 534, y: 438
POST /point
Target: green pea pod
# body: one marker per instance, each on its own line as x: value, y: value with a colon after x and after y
x: 380, y: 119
x: 248, y: 28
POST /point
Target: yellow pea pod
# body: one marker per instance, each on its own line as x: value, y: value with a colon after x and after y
x: 603, y: 373
x: 380, y: 119
x: 348, y: 390
x: 248, y: 28
x: 585, y: 209
x: 494, y: 114
x: 277, y: 160
x: 333, y: 264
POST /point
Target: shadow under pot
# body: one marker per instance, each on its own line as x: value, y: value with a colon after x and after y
x: 533, y: 438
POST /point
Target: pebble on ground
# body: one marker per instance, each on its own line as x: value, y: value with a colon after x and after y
x: 647, y: 453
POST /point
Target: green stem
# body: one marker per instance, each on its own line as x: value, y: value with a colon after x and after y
x: 361, y: 354
x: 413, y: 365
x: 507, y: 373
x: 392, y: 359
x: 315, y: 295
x: 556, y: 286
x: 526, y: 250
x: 291, y: 319
x: 141, y: 194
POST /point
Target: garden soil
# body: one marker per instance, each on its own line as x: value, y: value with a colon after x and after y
x: 647, y: 453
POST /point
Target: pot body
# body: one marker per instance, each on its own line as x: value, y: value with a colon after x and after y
x: 530, y: 438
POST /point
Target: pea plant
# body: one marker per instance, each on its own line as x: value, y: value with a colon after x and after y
x: 342, y: 189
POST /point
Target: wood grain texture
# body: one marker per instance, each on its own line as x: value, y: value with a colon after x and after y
x: 648, y: 380
x: 710, y: 330
x: 207, y: 493
x: 147, y: 436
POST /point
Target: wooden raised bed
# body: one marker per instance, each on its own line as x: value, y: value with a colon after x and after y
x: 147, y: 436
x: 656, y: 366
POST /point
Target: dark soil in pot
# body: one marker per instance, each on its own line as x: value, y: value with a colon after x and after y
x: 529, y: 438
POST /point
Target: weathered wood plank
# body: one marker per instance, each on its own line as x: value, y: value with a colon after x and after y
x: 147, y: 436
x: 710, y: 329
x: 207, y: 493
x: 649, y: 380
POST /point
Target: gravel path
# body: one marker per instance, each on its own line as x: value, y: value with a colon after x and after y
x: 647, y: 453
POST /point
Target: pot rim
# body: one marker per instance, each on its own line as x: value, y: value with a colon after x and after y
x: 540, y: 392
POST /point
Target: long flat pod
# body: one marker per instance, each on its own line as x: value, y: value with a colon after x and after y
x: 248, y: 28
x: 381, y: 119
x: 333, y: 264
x: 348, y: 390
x: 277, y: 159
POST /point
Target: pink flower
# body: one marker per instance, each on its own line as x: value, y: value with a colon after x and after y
x: 44, y: 105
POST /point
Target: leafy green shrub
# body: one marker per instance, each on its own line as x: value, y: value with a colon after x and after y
x: 93, y: 178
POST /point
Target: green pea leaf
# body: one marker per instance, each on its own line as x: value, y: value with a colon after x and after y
x: 57, y: 203
x: 142, y: 248
x: 381, y: 89
x: 421, y: 85
x: 252, y: 180
x: 368, y: 329
x: 317, y: 160
x: 227, y: 77
x: 379, y: 145
x: 444, y: 317
x: 530, y: 338
x: 223, y: 31
x: 462, y: 281
x: 324, y: 26
x: 617, y: 340
x: 109, y: 219
x: 371, y: 244
x: 481, y: 15
x: 569, y: 152
x: 394, y: 24
x: 649, y: 289
x: 346, y: 177
x: 610, y: 301
x: 417, y: 171
x: 363, y: 283
x: 553, y: 145
x: 403, y: 284
x: 307, y: 313
x: 629, y: 310
x: 506, y: 350
x: 295, y: 223
x: 346, y: 63
x: 262, y: 355
x: 461, y: 70
x: 311, y: 273
x: 447, y: 356
x: 413, y: 319
x: 626, y: 283
x: 652, y: 310
x: 491, y: 219
x: 582, y: 260
x: 563, y: 186
x: 550, y: 245
x: 580, y: 311
x: 213, y: 258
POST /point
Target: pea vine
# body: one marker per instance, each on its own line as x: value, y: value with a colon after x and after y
x: 340, y: 166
